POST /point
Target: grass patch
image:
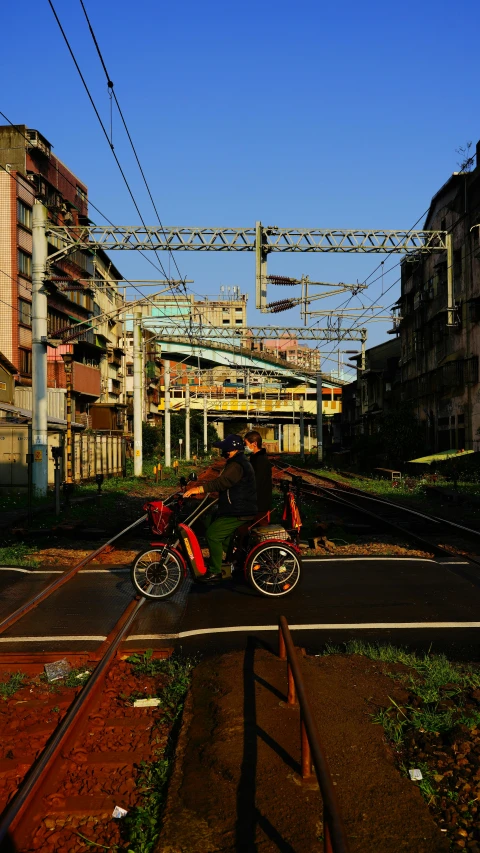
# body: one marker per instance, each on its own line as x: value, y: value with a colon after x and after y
x: 17, y: 554
x: 15, y: 681
x: 430, y: 680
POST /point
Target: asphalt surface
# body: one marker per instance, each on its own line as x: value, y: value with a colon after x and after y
x: 423, y: 604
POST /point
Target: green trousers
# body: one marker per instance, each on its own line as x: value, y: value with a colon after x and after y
x: 218, y: 536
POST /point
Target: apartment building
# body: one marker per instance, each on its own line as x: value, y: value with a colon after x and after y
x: 75, y: 293
x: 439, y: 359
x: 291, y: 351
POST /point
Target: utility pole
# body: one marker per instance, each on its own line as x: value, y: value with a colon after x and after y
x: 137, y: 395
x: 260, y: 268
x: 302, y: 431
x: 205, y: 427
x: 39, y: 351
x: 168, y: 445
x: 187, y: 421
x: 68, y: 362
x: 319, y: 419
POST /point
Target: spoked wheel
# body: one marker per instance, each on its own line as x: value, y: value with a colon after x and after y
x: 157, y: 573
x: 273, y: 569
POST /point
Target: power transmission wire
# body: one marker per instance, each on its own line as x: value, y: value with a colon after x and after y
x: 93, y: 325
x: 112, y: 89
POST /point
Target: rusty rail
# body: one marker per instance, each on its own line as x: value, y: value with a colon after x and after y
x: 13, y: 822
x: 334, y: 837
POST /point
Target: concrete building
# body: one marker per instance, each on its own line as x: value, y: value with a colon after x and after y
x: 7, y: 381
x: 375, y: 391
x: 439, y: 362
x: 291, y: 351
x: 74, y: 296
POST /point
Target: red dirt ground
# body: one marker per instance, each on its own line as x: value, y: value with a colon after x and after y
x: 100, y: 770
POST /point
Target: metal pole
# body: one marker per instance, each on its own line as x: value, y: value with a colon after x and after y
x: 319, y: 419
x: 187, y: 422
x: 57, y: 486
x: 168, y: 446
x: 450, y: 296
x: 302, y: 431
x: 280, y: 438
x: 29, y: 475
x: 68, y: 359
x: 39, y: 351
x: 137, y: 395
x: 260, y: 268
x: 205, y: 427
x: 309, y: 429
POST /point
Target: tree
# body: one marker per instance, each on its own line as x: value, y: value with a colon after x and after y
x: 153, y: 437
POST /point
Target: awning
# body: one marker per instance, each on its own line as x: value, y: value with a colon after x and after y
x: 27, y: 413
x: 437, y: 457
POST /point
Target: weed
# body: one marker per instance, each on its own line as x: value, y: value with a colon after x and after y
x: 392, y: 725
x: 146, y: 664
x: 178, y: 672
x: 14, y: 683
x: 141, y: 825
x: 17, y: 554
x: 76, y: 678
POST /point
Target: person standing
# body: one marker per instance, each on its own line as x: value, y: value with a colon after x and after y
x: 237, y: 501
x: 263, y: 473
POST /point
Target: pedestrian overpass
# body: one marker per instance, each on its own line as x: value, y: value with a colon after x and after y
x: 208, y: 354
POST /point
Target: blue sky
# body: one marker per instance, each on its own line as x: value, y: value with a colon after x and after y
x: 308, y: 115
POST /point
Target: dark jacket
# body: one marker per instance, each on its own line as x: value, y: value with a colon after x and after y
x: 263, y: 478
x: 236, y: 488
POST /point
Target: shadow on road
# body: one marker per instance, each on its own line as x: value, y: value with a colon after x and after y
x: 248, y: 816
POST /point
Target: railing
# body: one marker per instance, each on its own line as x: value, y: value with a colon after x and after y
x: 334, y: 838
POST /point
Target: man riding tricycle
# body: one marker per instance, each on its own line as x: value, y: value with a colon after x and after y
x: 267, y: 555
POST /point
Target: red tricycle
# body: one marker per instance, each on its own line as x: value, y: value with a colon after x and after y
x: 268, y: 555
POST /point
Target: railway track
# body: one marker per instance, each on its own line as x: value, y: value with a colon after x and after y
x: 89, y: 762
x: 440, y: 536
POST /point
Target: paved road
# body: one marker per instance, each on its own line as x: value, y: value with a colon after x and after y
x: 421, y: 603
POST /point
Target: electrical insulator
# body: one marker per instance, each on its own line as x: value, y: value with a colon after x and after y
x: 281, y: 305
x: 281, y: 279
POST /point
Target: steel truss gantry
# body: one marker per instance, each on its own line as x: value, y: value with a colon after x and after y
x: 259, y: 239
x: 166, y: 329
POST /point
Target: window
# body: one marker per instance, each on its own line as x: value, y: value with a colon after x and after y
x: 25, y: 361
x: 81, y: 194
x: 24, y: 312
x: 129, y: 369
x: 24, y: 214
x: 238, y: 321
x: 24, y: 263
